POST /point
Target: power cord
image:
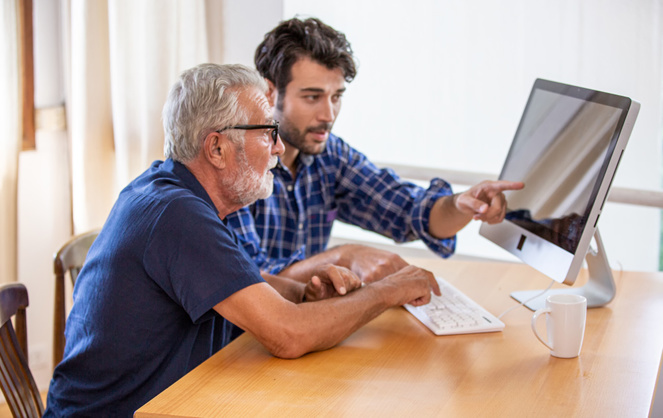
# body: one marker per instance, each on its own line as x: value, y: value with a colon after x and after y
x: 525, y: 301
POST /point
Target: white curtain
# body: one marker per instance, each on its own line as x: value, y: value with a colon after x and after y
x: 151, y: 42
x: 122, y: 57
x: 89, y: 119
x: 10, y: 137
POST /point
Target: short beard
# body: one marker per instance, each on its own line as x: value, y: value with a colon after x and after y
x: 248, y: 185
x: 297, y: 138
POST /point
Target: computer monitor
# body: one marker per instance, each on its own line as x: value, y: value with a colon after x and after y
x: 566, y: 150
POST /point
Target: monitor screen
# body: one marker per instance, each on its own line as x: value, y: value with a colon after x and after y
x: 566, y: 150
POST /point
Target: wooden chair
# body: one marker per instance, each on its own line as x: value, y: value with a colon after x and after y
x: 16, y: 379
x: 69, y: 258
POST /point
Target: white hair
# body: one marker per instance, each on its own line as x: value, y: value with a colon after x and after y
x: 203, y: 100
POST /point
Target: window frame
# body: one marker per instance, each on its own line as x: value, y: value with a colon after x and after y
x: 26, y: 65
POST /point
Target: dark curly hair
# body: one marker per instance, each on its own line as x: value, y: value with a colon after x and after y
x: 294, y: 39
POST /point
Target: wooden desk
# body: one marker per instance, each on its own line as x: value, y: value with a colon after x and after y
x: 395, y: 367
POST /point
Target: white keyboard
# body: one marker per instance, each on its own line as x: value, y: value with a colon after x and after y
x: 454, y: 313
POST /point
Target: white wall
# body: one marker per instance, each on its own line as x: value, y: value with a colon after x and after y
x: 43, y: 225
x: 443, y: 84
x: 244, y: 26
x: 44, y: 209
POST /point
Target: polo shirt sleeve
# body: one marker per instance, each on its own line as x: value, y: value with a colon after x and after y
x: 195, y: 258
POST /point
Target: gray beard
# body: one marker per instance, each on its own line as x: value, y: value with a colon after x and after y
x: 248, y: 185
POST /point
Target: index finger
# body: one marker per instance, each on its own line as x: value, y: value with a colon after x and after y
x: 499, y: 186
x: 434, y: 285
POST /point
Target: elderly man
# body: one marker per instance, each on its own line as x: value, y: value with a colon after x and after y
x: 321, y: 178
x: 166, y: 276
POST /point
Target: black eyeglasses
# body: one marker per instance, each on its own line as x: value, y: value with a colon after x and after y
x: 274, y: 127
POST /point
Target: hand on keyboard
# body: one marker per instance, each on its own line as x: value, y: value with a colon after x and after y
x: 416, y: 285
x: 454, y: 313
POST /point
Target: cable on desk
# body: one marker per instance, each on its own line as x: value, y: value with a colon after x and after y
x: 525, y: 301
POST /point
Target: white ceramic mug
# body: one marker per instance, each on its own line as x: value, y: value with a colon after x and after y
x: 566, y: 316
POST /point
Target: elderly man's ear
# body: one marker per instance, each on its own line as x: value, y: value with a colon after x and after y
x: 272, y: 93
x: 217, y: 149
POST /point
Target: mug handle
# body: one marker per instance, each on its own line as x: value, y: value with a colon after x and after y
x: 534, y: 318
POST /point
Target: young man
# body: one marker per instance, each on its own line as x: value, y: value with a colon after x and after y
x: 320, y: 178
x: 166, y: 279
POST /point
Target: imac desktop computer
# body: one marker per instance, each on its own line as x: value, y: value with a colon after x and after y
x: 566, y: 150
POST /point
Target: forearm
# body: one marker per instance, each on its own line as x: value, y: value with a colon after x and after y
x: 290, y: 289
x: 321, y: 325
x: 340, y: 317
x: 445, y: 219
x: 369, y: 264
x: 302, y: 271
x: 484, y: 202
x: 291, y: 330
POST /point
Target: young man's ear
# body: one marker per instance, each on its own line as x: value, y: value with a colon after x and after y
x: 272, y: 93
x: 215, y: 149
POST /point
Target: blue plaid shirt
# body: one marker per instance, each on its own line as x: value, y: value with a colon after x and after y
x: 340, y: 183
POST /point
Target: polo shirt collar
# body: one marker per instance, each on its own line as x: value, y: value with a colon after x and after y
x: 190, y: 181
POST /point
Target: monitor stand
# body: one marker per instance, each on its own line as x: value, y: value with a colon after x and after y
x: 599, y: 290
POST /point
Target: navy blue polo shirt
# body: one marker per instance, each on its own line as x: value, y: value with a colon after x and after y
x: 143, y: 303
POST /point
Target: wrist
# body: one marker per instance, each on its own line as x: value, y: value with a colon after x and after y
x: 450, y: 203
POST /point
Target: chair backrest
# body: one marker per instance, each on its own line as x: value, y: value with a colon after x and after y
x: 16, y: 379
x: 69, y: 258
